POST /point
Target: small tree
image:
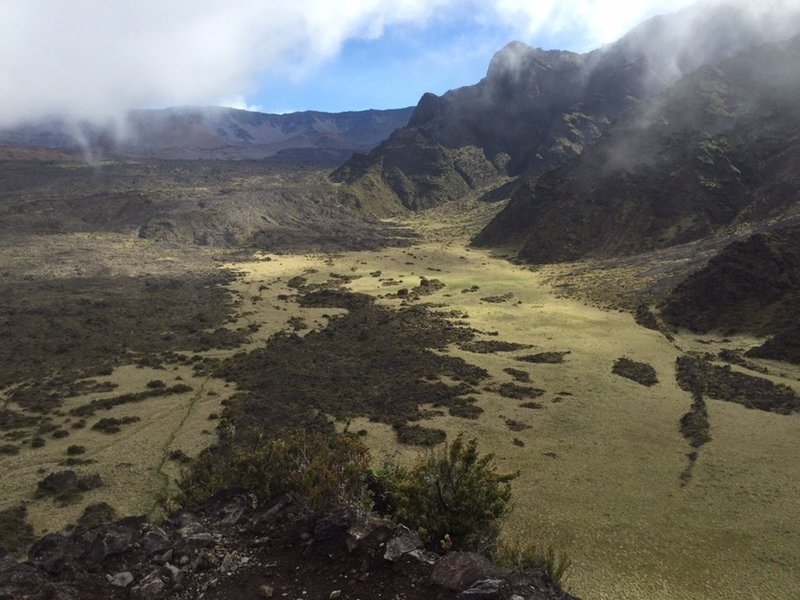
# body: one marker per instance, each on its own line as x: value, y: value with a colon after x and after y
x: 452, y: 495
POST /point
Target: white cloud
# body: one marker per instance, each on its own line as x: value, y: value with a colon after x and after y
x: 97, y: 58
x: 239, y: 102
x: 597, y: 21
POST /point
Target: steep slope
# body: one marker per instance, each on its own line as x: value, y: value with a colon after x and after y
x: 215, y: 132
x: 215, y: 203
x: 717, y: 149
x: 538, y: 109
x: 752, y: 285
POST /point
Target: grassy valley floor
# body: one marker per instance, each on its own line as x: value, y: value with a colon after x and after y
x: 600, y: 456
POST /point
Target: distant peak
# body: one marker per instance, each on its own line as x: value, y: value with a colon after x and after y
x: 516, y: 56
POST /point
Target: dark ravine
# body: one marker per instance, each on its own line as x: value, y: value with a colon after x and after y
x: 228, y: 549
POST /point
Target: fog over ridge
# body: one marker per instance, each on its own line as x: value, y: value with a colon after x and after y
x: 94, y: 61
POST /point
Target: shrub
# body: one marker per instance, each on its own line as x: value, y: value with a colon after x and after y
x: 97, y: 514
x: 545, y: 358
x: 9, y: 449
x: 74, y: 450
x: 179, y: 456
x: 109, y: 425
x: 417, y: 435
x: 525, y: 557
x: 465, y: 411
x: 15, y: 532
x: 66, y: 486
x: 640, y: 372
x: 451, y: 492
x: 321, y: 470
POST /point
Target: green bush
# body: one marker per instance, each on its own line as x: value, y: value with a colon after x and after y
x: 66, y: 487
x: 15, y: 531
x: 525, y: 557
x: 320, y: 469
x: 9, y: 449
x: 452, y: 494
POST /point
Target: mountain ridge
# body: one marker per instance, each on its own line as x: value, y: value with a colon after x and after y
x: 714, y: 151
x: 536, y: 110
x: 215, y: 133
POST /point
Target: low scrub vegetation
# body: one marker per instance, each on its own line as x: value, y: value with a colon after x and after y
x: 545, y: 358
x: 695, y: 374
x: 15, y: 531
x: 97, y: 514
x: 518, y: 374
x: 492, y: 346
x: 154, y: 391
x: 518, y: 392
x: 417, y: 435
x: 526, y: 557
x: 66, y: 487
x: 452, y: 493
x: 640, y: 372
x: 291, y: 381
x: 109, y: 425
x: 322, y: 470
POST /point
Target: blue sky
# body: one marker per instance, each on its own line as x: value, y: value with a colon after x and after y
x: 86, y: 59
x: 395, y: 69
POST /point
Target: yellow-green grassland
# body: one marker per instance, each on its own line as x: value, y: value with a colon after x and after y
x: 600, y: 456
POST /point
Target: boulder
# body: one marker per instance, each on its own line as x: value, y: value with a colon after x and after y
x: 150, y: 587
x: 404, y: 543
x: 486, y: 589
x: 457, y: 571
x: 120, y: 580
x: 155, y: 540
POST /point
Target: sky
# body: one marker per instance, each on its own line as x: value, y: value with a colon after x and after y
x: 95, y: 59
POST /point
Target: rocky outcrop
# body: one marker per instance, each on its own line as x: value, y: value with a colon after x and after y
x: 714, y: 151
x: 229, y: 548
x: 536, y: 110
x: 750, y: 286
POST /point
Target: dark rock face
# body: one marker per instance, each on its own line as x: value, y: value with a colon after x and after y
x: 227, y: 549
x: 518, y: 118
x: 784, y: 345
x: 714, y: 150
x: 752, y: 285
x: 537, y: 109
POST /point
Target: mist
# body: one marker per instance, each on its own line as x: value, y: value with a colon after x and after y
x: 94, y: 61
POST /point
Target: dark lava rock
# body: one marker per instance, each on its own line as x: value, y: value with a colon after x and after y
x: 459, y: 570
x: 752, y: 285
x: 281, y: 547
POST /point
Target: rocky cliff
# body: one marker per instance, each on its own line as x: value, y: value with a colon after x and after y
x: 716, y: 150
x: 750, y: 286
x: 537, y: 109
